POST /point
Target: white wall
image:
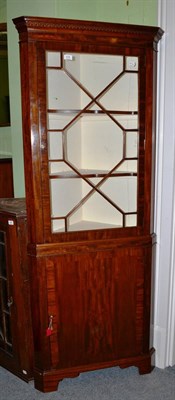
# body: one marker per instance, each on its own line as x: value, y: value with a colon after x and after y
x: 164, y: 306
x: 5, y: 141
x: 5, y: 132
x: 16, y: 8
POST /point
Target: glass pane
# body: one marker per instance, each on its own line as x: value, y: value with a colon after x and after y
x: 53, y: 59
x: 131, y: 220
x: 129, y: 166
x: 1, y: 328
x: 90, y: 70
x: 4, y: 294
x: 8, y: 329
x: 59, y: 85
x: 55, y: 145
x: 127, y: 122
x: 58, y: 225
x: 69, y: 192
x: 123, y: 192
x: 3, y: 272
x: 131, y: 144
x: 123, y: 95
x: 2, y: 237
x: 93, y: 215
x: 61, y: 169
x: 132, y: 63
x: 60, y: 122
x: 95, y: 144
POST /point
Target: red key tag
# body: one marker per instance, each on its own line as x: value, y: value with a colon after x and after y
x: 50, y: 327
x: 48, y: 332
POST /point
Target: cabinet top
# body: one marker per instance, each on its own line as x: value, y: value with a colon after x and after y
x: 13, y: 206
x: 43, y: 28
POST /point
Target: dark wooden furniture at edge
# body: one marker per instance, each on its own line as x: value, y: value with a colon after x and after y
x: 89, y: 246
x: 16, y: 341
x: 6, y: 178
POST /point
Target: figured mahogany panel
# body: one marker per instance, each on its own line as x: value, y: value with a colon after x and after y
x: 97, y: 299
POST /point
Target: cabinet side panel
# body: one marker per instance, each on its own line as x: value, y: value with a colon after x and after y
x: 148, y: 140
x: 31, y: 142
x: 26, y: 323
x: 39, y: 312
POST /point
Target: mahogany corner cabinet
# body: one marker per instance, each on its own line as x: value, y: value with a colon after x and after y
x: 88, y: 104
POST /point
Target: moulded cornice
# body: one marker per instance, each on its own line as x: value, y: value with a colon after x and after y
x: 54, y: 25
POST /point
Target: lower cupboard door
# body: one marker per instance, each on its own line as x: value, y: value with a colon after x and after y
x: 96, y: 306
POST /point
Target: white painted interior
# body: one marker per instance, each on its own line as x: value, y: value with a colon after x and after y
x: 164, y: 301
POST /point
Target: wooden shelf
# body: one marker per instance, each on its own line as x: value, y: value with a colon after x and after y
x: 93, y: 112
x: 88, y: 225
x: 90, y: 174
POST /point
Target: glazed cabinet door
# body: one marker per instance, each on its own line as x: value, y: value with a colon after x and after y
x: 90, y: 100
x: 6, y: 295
x: 93, y: 139
x: 92, y: 142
